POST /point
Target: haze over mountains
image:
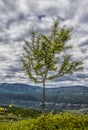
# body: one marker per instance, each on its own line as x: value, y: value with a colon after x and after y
x: 28, y: 96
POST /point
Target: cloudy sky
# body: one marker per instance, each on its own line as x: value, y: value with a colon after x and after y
x: 19, y: 16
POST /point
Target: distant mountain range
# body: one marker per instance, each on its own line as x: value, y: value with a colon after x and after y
x: 57, y: 99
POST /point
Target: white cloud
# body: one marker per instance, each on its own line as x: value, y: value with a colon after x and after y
x: 19, y: 16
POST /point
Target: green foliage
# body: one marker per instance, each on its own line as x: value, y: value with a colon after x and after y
x: 61, y: 121
x: 24, y: 113
x: 45, y: 56
x: 15, y: 114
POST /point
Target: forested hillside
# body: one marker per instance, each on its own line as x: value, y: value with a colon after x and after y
x: 60, y: 98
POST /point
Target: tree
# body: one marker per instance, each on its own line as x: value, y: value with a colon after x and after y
x: 46, y: 56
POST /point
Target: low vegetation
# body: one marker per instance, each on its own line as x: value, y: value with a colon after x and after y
x: 37, y: 121
x: 10, y: 113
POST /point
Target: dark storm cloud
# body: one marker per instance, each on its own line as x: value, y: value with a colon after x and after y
x: 41, y: 16
x: 84, y: 43
x: 66, y: 78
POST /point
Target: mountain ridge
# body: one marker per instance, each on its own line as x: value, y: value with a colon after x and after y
x: 57, y: 98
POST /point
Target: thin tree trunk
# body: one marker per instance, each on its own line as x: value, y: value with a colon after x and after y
x: 43, y: 97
